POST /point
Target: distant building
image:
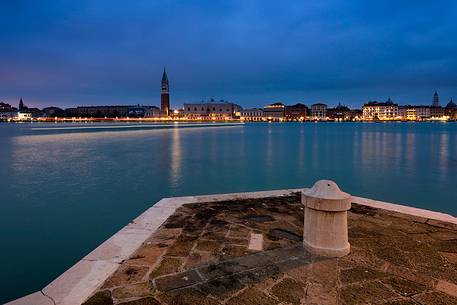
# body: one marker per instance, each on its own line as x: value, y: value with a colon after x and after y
x: 380, y: 111
x: 318, y: 112
x: 152, y: 112
x: 274, y: 112
x: 414, y: 113
x: 4, y: 107
x: 119, y: 111
x: 99, y: 111
x: 23, y: 116
x: 53, y: 112
x: 297, y: 112
x: 436, y: 100
x: 451, y: 110
x: 436, y: 112
x: 7, y: 112
x: 165, y: 95
x: 341, y: 113
x: 253, y: 115
x: 211, y: 110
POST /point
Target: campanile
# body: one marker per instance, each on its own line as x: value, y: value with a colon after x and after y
x: 165, y: 95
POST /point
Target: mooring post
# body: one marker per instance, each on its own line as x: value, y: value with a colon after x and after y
x: 325, y: 226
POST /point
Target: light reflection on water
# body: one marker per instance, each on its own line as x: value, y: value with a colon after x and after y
x: 64, y: 193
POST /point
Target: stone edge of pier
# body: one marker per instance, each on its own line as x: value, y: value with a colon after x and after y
x: 79, y: 282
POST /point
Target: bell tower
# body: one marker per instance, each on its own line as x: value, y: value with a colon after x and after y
x: 165, y: 95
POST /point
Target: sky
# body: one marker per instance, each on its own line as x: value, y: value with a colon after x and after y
x: 93, y: 52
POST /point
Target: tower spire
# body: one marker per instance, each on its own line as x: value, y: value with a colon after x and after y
x: 164, y: 75
x: 436, y: 100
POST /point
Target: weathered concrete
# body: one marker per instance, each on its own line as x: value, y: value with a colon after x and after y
x: 36, y: 298
x: 325, y: 226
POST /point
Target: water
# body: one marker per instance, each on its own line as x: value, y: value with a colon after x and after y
x: 63, y: 192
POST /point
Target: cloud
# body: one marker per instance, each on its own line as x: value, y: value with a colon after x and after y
x: 89, y: 52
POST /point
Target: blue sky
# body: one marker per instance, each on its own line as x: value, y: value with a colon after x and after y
x: 65, y: 53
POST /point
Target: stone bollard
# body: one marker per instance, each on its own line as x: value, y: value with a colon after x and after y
x: 326, y: 227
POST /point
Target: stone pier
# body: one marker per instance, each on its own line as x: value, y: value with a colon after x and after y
x: 247, y: 248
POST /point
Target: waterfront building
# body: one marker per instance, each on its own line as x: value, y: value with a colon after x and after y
x: 380, y: 111
x: 119, y: 111
x: 274, y: 112
x: 319, y: 112
x: 451, y: 110
x: 252, y: 114
x: 414, y: 113
x: 23, y: 116
x: 152, y: 112
x: 99, y: 111
x: 297, y: 112
x: 7, y: 111
x: 211, y: 110
x: 52, y: 112
x: 436, y: 112
x: 4, y: 107
x: 165, y: 95
x: 341, y: 113
x: 436, y: 100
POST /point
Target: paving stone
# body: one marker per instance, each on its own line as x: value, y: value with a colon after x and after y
x: 395, y: 258
x: 444, y: 235
x: 208, y: 245
x: 182, y: 246
x: 400, y: 302
x: 435, y: 298
x: 365, y: 293
x: 358, y: 274
x: 446, y: 287
x: 238, y: 232
x: 443, y: 224
x: 102, y: 297
x: 147, y: 255
x: 231, y: 251
x: 289, y: 291
x: 179, y: 280
x: 222, y: 287
x: 132, y: 291
x: 187, y: 297
x: 450, y: 257
x: 166, y: 266
x: 284, y: 234
x: 126, y: 275
x: 199, y: 258
x: 142, y: 301
x: 251, y: 297
x: 404, y: 287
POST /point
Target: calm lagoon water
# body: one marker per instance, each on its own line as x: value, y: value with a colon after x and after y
x: 63, y: 192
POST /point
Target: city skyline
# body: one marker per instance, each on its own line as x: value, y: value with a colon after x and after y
x: 248, y: 52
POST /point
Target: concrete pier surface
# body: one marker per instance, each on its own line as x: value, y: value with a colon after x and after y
x: 247, y: 248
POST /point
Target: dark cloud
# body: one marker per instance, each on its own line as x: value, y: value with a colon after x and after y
x: 253, y: 52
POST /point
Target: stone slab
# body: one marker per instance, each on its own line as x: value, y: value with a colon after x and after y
x: 120, y: 246
x: 36, y: 298
x: 177, y: 281
x: 405, y: 209
x: 75, y: 285
x: 256, y: 242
